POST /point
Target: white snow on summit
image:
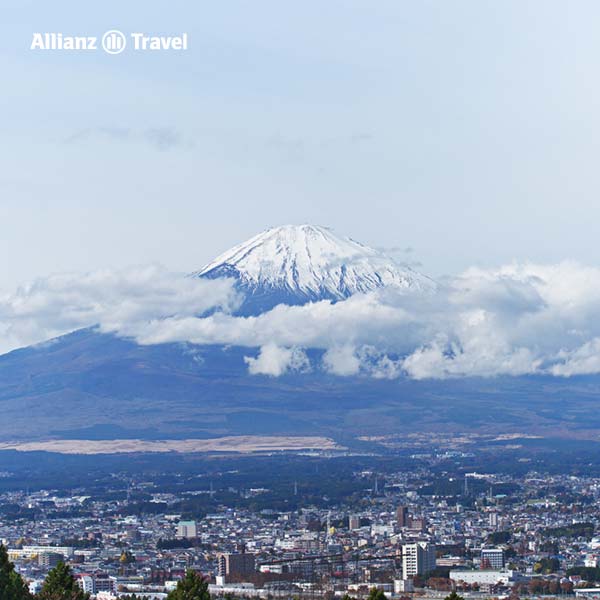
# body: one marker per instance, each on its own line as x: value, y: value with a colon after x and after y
x: 311, y: 261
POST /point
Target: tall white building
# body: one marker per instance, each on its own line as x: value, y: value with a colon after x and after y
x: 418, y: 558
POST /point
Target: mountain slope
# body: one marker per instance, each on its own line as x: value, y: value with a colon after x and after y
x: 304, y: 263
x: 88, y: 385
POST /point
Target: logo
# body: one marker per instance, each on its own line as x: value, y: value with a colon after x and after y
x: 114, y: 42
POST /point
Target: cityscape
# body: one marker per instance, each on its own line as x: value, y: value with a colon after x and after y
x: 421, y: 532
x: 300, y: 300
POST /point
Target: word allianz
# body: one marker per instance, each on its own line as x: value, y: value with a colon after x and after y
x: 141, y: 41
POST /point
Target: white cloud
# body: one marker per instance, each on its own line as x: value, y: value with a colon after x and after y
x: 515, y: 320
x: 341, y: 360
x: 518, y: 319
x: 275, y: 361
x: 584, y: 360
x: 113, y: 299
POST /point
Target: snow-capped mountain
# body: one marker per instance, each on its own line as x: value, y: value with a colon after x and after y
x: 295, y: 264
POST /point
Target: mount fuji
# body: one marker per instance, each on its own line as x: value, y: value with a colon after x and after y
x: 295, y: 264
x: 93, y: 385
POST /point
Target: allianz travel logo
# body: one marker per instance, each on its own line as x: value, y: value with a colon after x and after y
x: 112, y: 41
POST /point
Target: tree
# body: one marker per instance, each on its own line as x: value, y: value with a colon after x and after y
x: 126, y: 558
x: 61, y: 585
x: 499, y: 537
x: 192, y: 587
x: 440, y: 583
x: 12, y: 586
x: 376, y: 594
x: 453, y: 596
x: 547, y: 566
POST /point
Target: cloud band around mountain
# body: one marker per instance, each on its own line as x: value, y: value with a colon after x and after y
x: 516, y: 320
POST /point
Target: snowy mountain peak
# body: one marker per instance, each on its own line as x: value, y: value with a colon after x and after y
x: 301, y: 263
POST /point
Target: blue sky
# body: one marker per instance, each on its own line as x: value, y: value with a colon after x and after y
x: 465, y: 130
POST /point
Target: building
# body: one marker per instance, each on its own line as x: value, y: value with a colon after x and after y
x: 235, y: 564
x: 48, y: 560
x: 35, y: 587
x: 589, y: 593
x: 484, y: 577
x: 302, y: 568
x: 33, y: 551
x: 417, y: 523
x: 86, y: 583
x: 334, y: 548
x: 402, y: 586
x: 382, y: 530
x: 418, y: 558
x: 104, y: 583
x: 354, y: 522
x: 187, y: 529
x: 277, y: 568
x: 402, y: 516
x: 492, y: 558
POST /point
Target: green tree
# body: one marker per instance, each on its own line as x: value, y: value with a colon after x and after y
x: 499, y: 537
x: 453, y: 596
x: 61, y: 585
x: 547, y: 566
x: 192, y: 587
x: 376, y: 594
x: 12, y: 586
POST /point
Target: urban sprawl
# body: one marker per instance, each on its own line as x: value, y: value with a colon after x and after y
x: 518, y: 536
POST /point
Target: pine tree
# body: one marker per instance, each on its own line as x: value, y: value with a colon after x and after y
x: 12, y: 586
x: 376, y: 594
x: 453, y: 596
x: 192, y: 587
x: 61, y: 585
